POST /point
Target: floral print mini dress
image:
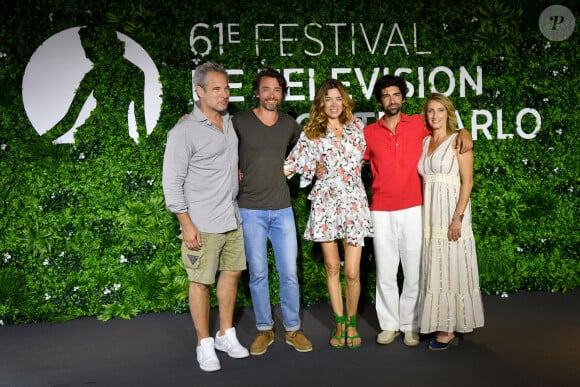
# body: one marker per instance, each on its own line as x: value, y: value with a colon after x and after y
x: 339, y: 206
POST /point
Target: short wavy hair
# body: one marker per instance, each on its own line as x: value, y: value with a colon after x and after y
x: 271, y: 73
x: 388, y: 81
x: 201, y: 71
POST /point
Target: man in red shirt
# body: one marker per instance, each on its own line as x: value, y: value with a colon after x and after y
x: 393, y: 148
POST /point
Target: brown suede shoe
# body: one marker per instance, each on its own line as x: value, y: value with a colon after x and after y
x: 261, y: 342
x: 298, y: 341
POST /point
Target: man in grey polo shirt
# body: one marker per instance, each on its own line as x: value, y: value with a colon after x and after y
x: 200, y: 183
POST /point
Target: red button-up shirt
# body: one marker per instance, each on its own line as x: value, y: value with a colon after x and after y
x: 394, y: 157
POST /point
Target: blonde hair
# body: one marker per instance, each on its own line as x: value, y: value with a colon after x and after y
x: 317, y: 125
x: 448, y: 105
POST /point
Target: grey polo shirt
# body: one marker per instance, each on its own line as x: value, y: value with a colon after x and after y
x: 200, y: 172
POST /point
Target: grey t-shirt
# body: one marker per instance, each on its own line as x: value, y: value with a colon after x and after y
x: 262, y: 151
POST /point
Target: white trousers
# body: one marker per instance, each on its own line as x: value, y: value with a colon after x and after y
x: 398, y: 238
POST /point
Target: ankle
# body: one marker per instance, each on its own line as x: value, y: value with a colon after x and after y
x: 444, y: 337
x: 351, y: 321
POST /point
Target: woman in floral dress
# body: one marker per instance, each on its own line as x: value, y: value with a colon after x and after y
x: 449, y: 297
x: 333, y: 139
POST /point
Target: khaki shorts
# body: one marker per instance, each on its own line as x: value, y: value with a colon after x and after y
x: 219, y: 252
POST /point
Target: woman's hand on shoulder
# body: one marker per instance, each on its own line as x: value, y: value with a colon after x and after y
x: 358, y: 123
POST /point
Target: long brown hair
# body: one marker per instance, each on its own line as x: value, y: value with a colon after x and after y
x: 317, y: 125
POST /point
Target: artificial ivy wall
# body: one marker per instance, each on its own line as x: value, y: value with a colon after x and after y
x: 84, y: 228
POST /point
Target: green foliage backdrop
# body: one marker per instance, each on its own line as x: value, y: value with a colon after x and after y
x: 84, y: 229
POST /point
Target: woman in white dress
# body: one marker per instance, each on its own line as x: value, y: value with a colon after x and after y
x: 450, y: 298
x: 333, y: 139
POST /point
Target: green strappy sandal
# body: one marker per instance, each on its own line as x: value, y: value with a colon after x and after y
x: 351, y: 323
x: 341, y: 340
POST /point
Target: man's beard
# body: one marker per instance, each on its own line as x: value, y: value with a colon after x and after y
x: 270, y: 106
x: 392, y: 111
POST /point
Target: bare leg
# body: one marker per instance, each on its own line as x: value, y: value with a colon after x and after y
x: 332, y: 265
x: 227, y: 291
x: 352, y: 258
x: 199, y: 309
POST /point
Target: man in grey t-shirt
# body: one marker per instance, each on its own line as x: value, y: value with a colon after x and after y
x: 265, y: 135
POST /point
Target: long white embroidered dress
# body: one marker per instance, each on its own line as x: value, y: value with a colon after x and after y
x: 450, y: 298
x: 339, y: 206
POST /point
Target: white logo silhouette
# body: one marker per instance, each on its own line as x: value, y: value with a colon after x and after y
x: 56, y: 70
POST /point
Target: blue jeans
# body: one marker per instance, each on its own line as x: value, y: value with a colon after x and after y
x: 279, y: 227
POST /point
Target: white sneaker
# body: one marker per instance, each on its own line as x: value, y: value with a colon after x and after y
x: 411, y: 339
x: 229, y: 343
x: 206, y: 357
x: 387, y: 337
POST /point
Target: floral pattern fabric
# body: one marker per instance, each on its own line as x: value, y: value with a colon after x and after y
x: 339, y: 205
